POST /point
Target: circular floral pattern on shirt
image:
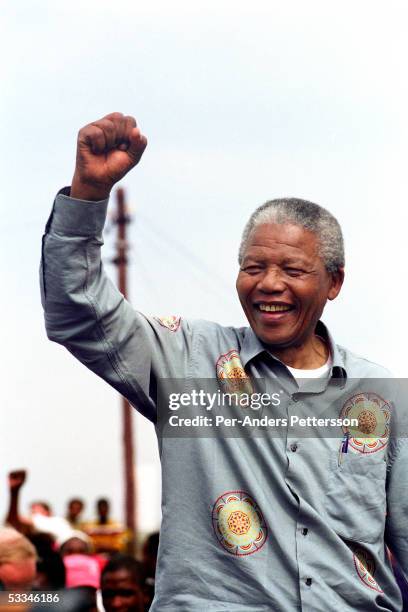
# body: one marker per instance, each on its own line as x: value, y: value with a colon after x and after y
x: 373, y: 414
x: 365, y: 568
x: 172, y: 322
x: 367, y: 422
x: 238, y: 523
x: 231, y: 373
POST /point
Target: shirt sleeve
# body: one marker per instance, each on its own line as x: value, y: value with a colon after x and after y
x: 396, y: 532
x: 85, y: 312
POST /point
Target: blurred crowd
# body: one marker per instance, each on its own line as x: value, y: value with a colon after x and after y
x: 91, y: 563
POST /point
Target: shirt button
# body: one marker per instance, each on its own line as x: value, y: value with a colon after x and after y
x: 308, y: 581
x: 293, y: 448
x: 295, y: 398
x: 304, y: 531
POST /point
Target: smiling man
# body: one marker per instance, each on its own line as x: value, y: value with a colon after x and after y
x: 278, y: 520
x: 287, y: 274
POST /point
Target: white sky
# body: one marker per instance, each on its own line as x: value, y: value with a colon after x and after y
x: 241, y: 103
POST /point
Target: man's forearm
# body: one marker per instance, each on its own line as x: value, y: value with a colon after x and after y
x: 13, y: 518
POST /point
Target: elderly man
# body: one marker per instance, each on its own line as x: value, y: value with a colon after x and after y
x: 279, y: 520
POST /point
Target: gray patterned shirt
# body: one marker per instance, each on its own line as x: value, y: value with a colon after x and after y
x: 275, y: 521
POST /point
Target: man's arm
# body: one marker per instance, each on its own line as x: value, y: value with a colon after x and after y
x: 84, y: 311
x: 16, y: 480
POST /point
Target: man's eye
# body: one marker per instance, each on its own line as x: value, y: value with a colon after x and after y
x: 294, y: 271
x: 252, y: 269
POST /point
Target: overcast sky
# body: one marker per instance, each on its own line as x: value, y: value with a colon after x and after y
x: 241, y: 102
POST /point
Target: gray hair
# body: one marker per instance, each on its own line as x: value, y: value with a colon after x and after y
x: 308, y: 215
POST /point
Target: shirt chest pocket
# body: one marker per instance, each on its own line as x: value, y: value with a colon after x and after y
x: 355, y: 502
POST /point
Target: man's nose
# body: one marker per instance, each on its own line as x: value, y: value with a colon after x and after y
x: 272, y: 282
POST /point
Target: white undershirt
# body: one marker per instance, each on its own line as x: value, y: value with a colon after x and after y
x: 322, y: 372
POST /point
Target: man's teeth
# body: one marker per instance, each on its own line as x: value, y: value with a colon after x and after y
x: 274, y: 307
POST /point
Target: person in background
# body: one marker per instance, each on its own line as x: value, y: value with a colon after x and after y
x: 40, y: 507
x: 16, y: 479
x: 149, y: 561
x: 77, y: 543
x: 17, y: 561
x: 107, y: 536
x: 82, y: 569
x: 44, y: 521
x: 50, y: 573
x: 40, y: 519
x: 50, y: 566
x: 103, y: 510
x: 75, y: 507
x: 122, y: 585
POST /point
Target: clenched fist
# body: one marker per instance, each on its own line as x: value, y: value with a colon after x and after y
x: 16, y: 479
x: 107, y: 149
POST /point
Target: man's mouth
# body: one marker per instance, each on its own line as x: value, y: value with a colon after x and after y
x: 263, y: 307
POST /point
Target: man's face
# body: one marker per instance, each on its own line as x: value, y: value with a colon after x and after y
x: 39, y: 509
x: 75, y: 508
x: 120, y: 592
x: 283, y: 284
x: 103, y: 508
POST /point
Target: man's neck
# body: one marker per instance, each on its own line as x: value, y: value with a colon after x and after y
x: 311, y: 355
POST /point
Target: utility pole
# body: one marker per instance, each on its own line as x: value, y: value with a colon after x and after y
x: 122, y: 220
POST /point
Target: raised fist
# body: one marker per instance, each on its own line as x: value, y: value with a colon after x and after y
x: 16, y: 479
x: 107, y: 149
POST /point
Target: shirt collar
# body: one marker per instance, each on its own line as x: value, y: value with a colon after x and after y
x: 252, y: 346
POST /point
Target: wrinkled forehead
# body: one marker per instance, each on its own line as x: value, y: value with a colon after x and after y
x: 288, y: 239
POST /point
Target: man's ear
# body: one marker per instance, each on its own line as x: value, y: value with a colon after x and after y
x: 337, y: 279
